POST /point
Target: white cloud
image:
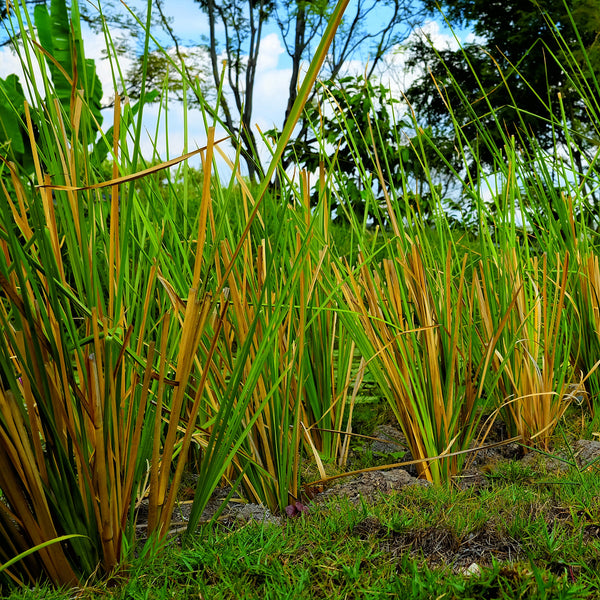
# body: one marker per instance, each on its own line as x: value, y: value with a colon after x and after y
x: 11, y: 63
x: 94, y: 47
x: 271, y: 85
x: 271, y: 49
x: 393, y: 70
x: 271, y: 91
x: 442, y: 40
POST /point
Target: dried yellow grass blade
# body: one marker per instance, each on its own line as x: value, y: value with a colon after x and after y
x: 134, y: 176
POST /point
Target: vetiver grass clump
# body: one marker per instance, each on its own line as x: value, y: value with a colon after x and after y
x: 114, y: 315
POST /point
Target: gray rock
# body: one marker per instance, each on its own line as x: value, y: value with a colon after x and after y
x: 253, y: 512
x: 585, y: 452
x: 389, y: 440
x: 368, y: 486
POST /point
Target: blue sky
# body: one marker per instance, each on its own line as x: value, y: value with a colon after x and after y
x: 273, y: 73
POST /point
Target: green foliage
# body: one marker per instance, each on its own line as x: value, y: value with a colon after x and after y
x: 180, y: 315
x: 357, y: 130
x: 158, y: 71
x: 111, y: 318
x: 507, y: 81
x: 70, y: 78
x: 14, y: 141
x: 61, y: 38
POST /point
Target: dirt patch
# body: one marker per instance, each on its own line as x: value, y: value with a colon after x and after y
x: 591, y: 533
x: 369, y: 486
x: 369, y: 527
x: 441, y: 546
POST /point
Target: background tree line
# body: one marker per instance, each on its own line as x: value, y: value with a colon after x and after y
x: 506, y: 81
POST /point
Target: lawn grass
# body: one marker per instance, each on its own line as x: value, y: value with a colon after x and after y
x: 531, y: 530
x: 532, y: 534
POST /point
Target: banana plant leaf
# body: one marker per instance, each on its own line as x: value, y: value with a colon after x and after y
x: 68, y: 66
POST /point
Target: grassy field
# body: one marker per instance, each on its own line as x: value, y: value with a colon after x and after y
x: 524, y: 533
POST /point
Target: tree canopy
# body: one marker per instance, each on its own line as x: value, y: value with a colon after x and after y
x: 508, y: 81
x: 369, y: 30
x: 370, y: 145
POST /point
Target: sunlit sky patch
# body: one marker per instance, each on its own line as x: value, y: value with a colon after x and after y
x: 271, y: 86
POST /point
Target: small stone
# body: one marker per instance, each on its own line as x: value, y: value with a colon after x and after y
x: 254, y: 512
x: 472, y: 570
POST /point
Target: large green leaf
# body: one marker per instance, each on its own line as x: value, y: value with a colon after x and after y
x: 66, y: 60
x: 13, y: 137
x: 11, y: 103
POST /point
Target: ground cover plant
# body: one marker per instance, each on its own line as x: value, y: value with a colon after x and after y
x: 160, y: 325
x: 531, y: 541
